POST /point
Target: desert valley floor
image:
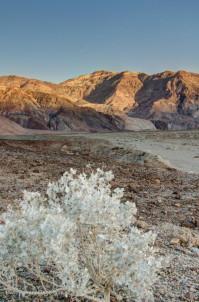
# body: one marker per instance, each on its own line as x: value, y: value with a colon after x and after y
x: 158, y: 170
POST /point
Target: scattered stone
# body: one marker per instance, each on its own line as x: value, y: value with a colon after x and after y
x: 157, y: 181
x: 175, y: 241
x: 190, y: 296
x: 195, y: 250
x: 189, y: 222
x: 35, y: 171
x: 177, y: 195
x: 159, y: 199
x: 142, y: 224
x: 179, y: 235
x: 132, y: 188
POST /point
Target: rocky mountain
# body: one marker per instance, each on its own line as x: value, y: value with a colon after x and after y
x: 115, y: 90
x: 104, y: 101
x: 40, y: 105
x: 169, y: 99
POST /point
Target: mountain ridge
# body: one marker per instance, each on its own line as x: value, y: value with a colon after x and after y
x: 103, y: 100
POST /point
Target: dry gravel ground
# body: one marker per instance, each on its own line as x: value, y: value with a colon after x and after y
x: 180, y: 148
x: 167, y: 199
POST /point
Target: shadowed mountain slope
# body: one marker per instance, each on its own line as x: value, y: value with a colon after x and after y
x: 40, y: 105
x: 168, y: 98
x: 103, y: 101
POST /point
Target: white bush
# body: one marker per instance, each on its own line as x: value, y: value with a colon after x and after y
x: 78, y: 239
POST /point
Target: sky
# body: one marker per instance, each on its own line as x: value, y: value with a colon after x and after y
x: 55, y: 40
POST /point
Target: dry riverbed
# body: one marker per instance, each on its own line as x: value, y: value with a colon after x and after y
x: 179, y: 148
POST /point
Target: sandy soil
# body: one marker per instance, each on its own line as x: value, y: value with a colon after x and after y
x: 179, y: 148
x: 167, y: 199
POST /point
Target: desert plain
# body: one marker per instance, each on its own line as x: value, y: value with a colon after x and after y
x: 159, y: 171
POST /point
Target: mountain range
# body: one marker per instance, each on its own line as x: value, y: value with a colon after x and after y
x: 103, y: 101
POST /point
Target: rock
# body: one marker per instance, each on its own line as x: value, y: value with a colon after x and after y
x: 131, y: 188
x: 142, y: 224
x: 177, y: 195
x: 189, y: 222
x: 190, y: 296
x: 175, y: 241
x: 157, y: 181
x: 195, y: 250
x: 179, y: 235
x: 159, y: 199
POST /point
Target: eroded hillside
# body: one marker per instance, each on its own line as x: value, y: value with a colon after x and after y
x: 104, y: 101
x: 40, y: 105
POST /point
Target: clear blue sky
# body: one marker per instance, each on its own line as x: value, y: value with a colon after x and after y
x: 59, y: 39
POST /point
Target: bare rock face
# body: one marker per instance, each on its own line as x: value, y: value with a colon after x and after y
x: 115, y: 90
x: 40, y: 105
x: 169, y: 99
x: 104, y: 101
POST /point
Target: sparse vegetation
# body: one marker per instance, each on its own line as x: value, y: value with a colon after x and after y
x: 78, y: 239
